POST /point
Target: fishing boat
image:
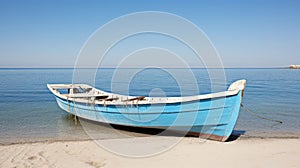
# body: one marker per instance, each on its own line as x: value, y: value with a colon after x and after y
x: 211, y: 116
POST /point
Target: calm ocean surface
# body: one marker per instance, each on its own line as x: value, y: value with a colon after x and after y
x: 29, y: 112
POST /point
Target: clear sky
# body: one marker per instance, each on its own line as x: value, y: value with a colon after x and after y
x: 246, y: 33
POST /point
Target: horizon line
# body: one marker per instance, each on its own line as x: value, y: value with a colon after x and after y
x: 145, y: 68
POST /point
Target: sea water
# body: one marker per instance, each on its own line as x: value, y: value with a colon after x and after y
x: 28, y: 111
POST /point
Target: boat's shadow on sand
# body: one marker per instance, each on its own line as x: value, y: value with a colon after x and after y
x: 161, y: 132
x: 236, y: 134
x: 141, y: 132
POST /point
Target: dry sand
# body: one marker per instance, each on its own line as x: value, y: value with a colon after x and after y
x: 189, y: 152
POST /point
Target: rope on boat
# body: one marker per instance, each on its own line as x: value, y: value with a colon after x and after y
x: 261, y: 117
x: 69, y: 108
x: 75, y: 116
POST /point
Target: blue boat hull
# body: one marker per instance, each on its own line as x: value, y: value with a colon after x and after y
x: 210, y: 118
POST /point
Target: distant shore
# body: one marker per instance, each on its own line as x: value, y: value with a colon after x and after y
x: 189, y: 152
x: 294, y: 66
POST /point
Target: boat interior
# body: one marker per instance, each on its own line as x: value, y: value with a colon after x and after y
x: 88, y: 94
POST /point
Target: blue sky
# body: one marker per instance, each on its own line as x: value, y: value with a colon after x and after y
x: 245, y: 33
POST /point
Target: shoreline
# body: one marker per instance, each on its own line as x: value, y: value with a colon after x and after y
x: 231, y: 139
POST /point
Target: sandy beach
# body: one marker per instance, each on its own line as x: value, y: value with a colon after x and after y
x: 189, y: 152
